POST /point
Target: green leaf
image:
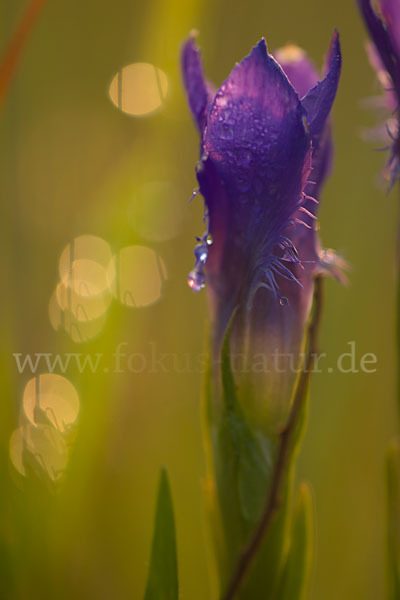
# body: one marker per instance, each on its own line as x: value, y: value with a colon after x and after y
x: 296, y: 573
x: 162, y: 581
x: 393, y: 519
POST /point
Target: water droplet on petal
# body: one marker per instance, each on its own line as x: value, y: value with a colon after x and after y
x: 226, y: 132
x: 196, y: 280
x: 201, y: 252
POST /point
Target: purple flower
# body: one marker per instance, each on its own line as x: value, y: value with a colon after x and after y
x: 264, y: 156
x: 384, y: 30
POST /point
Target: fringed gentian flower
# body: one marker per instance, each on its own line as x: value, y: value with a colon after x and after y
x: 264, y: 156
x: 383, y: 24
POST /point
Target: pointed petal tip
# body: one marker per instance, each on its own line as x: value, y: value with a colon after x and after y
x: 334, y: 56
x: 262, y: 44
x: 197, y: 88
x: 257, y: 76
x: 189, y: 42
x: 335, y: 43
x: 260, y: 49
x: 319, y: 100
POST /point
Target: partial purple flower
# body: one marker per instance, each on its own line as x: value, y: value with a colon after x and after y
x: 264, y: 156
x: 382, y: 20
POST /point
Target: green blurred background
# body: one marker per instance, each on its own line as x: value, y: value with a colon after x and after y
x: 73, y: 164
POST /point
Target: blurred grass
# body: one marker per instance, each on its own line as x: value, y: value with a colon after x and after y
x: 70, y: 164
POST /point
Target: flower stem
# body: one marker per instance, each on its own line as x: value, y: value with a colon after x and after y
x: 287, y: 435
x: 15, y: 46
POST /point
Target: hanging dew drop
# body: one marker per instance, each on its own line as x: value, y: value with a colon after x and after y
x: 200, y: 253
x: 196, y: 280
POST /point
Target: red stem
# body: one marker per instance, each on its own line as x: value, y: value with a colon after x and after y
x: 16, y: 44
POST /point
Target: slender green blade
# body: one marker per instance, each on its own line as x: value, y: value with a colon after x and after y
x: 162, y: 582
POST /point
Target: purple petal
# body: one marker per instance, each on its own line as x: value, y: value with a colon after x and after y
x: 299, y: 69
x: 382, y: 37
x: 319, y: 100
x: 303, y: 75
x: 283, y: 326
x: 253, y: 172
x: 226, y: 261
x: 391, y: 14
x: 255, y: 136
x: 276, y: 335
x: 199, y: 91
